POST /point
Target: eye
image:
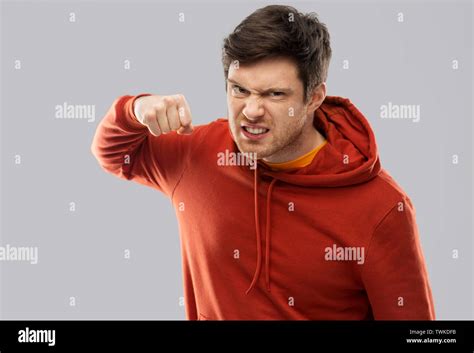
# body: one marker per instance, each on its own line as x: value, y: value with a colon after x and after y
x: 277, y: 94
x: 237, y: 90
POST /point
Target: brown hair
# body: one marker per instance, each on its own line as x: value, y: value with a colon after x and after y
x: 278, y: 30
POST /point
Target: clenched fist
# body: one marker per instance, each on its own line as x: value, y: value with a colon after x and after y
x: 163, y: 114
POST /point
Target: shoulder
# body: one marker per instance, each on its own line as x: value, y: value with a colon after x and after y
x: 390, y: 198
x: 389, y: 187
x: 214, y: 133
x: 217, y: 126
x: 381, y: 196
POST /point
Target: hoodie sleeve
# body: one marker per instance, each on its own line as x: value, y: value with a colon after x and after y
x: 125, y: 148
x: 394, y: 274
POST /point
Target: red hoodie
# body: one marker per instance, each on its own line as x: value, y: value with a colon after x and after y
x: 334, y: 240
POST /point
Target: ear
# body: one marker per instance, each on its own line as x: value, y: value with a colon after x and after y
x: 317, y: 97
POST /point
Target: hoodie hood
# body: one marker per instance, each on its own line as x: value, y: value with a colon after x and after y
x: 349, y: 157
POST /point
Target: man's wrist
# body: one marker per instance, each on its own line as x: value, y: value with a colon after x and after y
x: 134, y: 107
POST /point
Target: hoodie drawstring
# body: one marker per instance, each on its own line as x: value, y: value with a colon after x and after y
x: 267, y: 235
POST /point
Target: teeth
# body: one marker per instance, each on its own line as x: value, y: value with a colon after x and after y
x: 255, y: 131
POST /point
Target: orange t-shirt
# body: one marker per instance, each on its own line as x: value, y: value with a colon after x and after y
x: 299, y: 162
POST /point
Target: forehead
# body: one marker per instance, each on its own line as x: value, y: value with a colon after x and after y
x: 279, y: 71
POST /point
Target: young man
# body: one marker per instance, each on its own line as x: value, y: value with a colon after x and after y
x: 284, y: 209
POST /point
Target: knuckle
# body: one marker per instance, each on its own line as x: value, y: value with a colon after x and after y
x: 160, y: 106
x: 167, y: 100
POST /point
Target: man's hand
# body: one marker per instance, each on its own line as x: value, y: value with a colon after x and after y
x: 163, y: 114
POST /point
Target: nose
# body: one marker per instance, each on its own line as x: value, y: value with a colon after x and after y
x: 253, y: 109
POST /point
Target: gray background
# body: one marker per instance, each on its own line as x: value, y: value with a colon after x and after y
x: 81, y: 253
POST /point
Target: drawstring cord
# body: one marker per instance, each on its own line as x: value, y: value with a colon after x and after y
x: 258, y: 236
x: 267, y: 235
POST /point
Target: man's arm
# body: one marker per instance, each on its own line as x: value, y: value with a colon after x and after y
x: 152, y: 149
x: 394, y: 273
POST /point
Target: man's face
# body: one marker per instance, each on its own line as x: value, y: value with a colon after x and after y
x: 267, y: 113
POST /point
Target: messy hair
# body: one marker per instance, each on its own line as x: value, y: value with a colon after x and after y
x: 278, y: 30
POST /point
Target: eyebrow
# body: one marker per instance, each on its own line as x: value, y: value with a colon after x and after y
x: 273, y: 89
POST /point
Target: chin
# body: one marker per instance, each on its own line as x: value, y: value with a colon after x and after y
x: 261, y: 151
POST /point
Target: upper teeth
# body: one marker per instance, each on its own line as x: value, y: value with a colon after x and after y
x: 255, y: 130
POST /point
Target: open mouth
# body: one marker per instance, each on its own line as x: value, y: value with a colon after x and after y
x: 254, y: 132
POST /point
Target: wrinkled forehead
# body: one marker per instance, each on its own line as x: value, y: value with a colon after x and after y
x: 265, y: 73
